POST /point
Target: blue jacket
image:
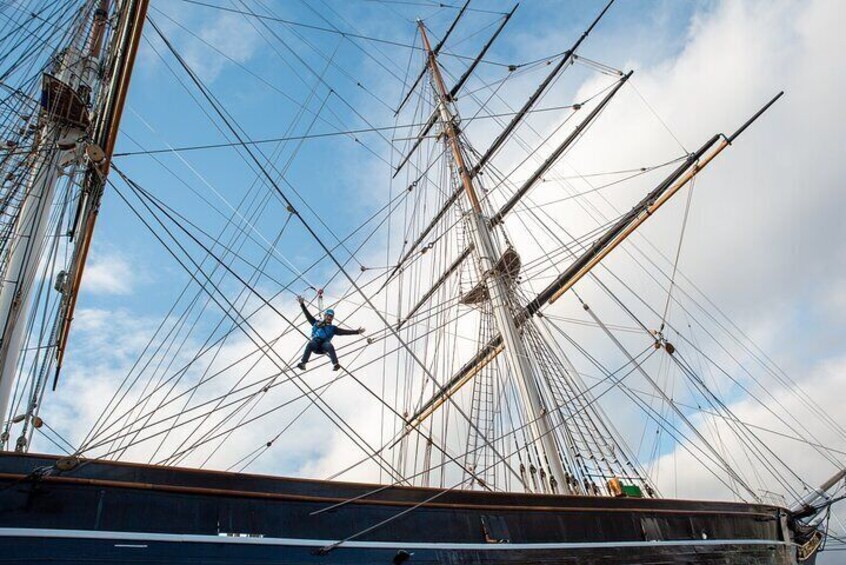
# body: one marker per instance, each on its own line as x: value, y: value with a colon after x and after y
x: 322, y: 331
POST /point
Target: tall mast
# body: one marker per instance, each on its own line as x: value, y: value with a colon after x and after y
x: 128, y: 39
x: 487, y: 255
x: 70, y: 134
x: 63, y: 121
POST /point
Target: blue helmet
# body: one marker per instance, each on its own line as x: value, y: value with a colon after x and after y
x: 329, y: 312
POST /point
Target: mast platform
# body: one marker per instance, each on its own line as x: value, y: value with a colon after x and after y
x: 63, y: 103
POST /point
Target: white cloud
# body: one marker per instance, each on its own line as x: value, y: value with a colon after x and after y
x: 233, y: 38
x: 209, y: 40
x: 109, y: 273
x: 682, y: 474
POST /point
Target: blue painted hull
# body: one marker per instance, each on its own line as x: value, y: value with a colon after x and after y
x: 106, y: 512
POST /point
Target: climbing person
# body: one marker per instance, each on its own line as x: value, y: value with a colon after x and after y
x: 322, y: 332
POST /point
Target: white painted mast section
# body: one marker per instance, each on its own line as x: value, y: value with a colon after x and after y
x: 57, y: 148
x: 486, y: 258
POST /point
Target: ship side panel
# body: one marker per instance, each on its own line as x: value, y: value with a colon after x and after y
x: 49, y: 504
x: 93, y: 502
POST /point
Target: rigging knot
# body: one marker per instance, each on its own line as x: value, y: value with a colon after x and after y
x: 661, y: 341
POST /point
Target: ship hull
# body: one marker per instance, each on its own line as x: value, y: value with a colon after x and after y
x: 107, y: 512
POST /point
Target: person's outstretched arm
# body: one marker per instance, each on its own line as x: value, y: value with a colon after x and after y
x: 342, y: 331
x: 311, y: 319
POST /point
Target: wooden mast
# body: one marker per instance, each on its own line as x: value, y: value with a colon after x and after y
x: 64, y: 123
x: 105, y: 136
x: 486, y: 258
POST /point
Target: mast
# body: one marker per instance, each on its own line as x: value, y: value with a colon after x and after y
x: 499, y: 217
x: 63, y: 121
x: 127, y: 42
x: 512, y: 125
x: 486, y: 260
x: 71, y: 133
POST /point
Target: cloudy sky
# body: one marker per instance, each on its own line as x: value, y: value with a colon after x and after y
x: 763, y: 239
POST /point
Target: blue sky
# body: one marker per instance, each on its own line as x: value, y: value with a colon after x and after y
x: 159, y: 101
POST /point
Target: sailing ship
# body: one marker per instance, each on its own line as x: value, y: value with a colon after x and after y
x: 539, y: 474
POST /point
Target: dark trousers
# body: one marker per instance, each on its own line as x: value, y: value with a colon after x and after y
x: 319, y: 346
